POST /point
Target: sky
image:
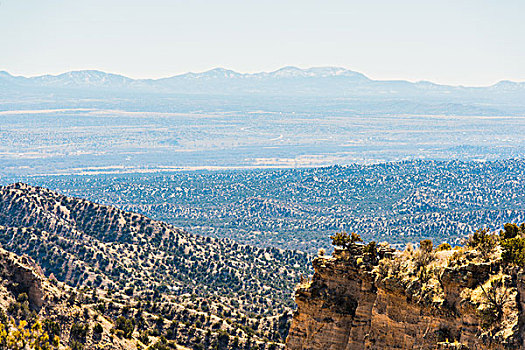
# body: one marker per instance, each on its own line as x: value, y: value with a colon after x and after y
x: 461, y: 42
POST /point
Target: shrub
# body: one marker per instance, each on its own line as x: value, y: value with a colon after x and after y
x: 22, y: 297
x: 483, y: 241
x: 513, y: 251
x: 144, y: 338
x: 23, y: 336
x: 223, y: 338
x: 511, y: 231
x: 495, y: 295
x: 426, y: 245
x: 75, y: 345
x: 370, y: 250
x: 424, y: 255
x: 78, y: 332
x: 512, y: 241
x: 159, y: 322
x: 98, y: 329
x: 457, y: 257
x: 444, y: 246
x: 161, y: 344
x: 125, y: 325
x: 52, y: 328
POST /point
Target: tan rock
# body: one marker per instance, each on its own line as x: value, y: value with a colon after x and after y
x: 346, y: 307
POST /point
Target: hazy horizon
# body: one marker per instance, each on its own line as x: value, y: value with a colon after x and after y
x: 471, y: 43
x: 247, y: 73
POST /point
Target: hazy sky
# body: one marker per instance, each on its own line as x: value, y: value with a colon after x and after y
x: 476, y: 42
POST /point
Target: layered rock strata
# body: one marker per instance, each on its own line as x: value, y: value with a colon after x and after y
x: 351, y: 303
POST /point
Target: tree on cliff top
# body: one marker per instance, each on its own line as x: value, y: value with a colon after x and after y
x: 483, y: 241
x: 512, y: 241
x: 512, y: 231
x: 345, y: 240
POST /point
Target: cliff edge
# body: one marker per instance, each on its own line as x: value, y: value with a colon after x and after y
x: 469, y: 297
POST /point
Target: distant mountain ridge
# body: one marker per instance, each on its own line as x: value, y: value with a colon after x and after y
x: 285, y: 72
x: 287, y: 80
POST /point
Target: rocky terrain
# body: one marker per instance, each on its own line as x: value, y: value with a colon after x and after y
x: 152, y: 281
x: 39, y: 313
x: 373, y: 297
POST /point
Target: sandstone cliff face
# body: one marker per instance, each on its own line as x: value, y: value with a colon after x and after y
x: 48, y: 302
x: 24, y: 276
x: 352, y: 304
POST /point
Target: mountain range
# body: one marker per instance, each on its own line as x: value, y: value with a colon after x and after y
x: 322, y: 81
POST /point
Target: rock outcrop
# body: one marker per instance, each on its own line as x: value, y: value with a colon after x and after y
x: 407, y: 302
x: 23, y: 276
x: 51, y: 311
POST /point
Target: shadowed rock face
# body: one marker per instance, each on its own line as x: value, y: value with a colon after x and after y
x: 349, y: 305
x: 23, y: 276
x: 49, y: 303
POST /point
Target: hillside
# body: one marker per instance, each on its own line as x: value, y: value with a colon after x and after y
x: 374, y: 297
x: 192, y: 287
x: 46, y: 314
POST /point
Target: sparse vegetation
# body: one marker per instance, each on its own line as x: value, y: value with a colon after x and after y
x: 157, y: 284
x: 419, y: 274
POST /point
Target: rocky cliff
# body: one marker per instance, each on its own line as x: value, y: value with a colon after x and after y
x: 451, y: 299
x: 37, y: 313
x: 22, y: 275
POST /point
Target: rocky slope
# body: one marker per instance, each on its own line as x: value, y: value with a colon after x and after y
x: 466, y: 298
x: 38, y: 313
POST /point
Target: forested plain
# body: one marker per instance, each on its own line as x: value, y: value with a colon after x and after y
x: 398, y: 202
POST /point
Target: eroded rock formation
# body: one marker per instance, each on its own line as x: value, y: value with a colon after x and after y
x: 23, y: 276
x: 406, y: 302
